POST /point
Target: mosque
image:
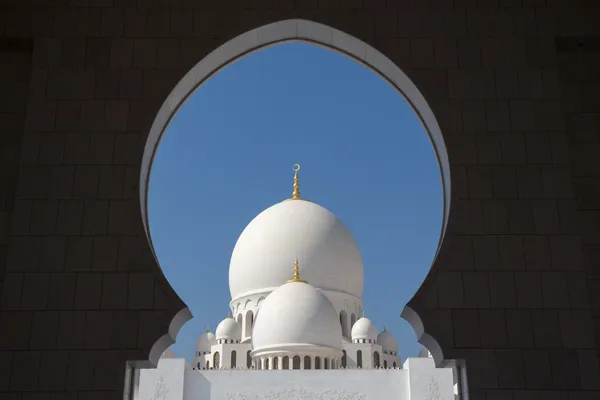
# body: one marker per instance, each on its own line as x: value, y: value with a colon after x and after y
x: 297, y: 329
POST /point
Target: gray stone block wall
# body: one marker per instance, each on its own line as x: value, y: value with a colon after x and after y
x: 513, y: 84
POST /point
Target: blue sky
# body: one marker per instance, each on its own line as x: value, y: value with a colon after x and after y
x: 228, y: 155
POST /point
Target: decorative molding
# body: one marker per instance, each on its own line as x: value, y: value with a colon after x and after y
x: 161, y: 390
x: 433, y: 389
x: 298, y: 393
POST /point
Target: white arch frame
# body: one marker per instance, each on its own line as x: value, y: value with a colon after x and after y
x: 332, y: 39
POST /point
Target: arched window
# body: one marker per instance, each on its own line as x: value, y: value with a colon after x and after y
x: 266, y: 363
x: 394, y: 364
x: 248, y: 324
x: 359, y: 358
x: 352, y: 320
x: 344, y: 358
x: 306, y: 362
x: 344, y: 323
x: 286, y: 362
x: 198, y: 365
x: 216, y: 360
x: 276, y: 363
x: 248, y: 359
x: 326, y: 363
x: 376, y: 359
x: 207, y: 364
x: 233, y: 359
x: 296, y: 362
x: 239, y: 319
x: 317, y: 362
x: 384, y: 363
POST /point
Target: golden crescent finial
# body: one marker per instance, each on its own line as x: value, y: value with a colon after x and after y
x: 296, y: 273
x: 296, y: 192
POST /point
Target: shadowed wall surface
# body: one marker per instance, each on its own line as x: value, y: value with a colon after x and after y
x: 513, y: 83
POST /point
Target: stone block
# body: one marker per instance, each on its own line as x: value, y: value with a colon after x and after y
x: 61, y: 182
x: 576, y: 329
x: 513, y: 148
x: 23, y: 253
x: 497, y: 115
x: 71, y: 329
x: 546, y: 329
x: 485, y: 252
x: 101, y: 148
x: 489, y: 148
x: 53, y: 252
x: 476, y: 290
x: 21, y: 217
x: 53, y: 370
x: 510, y: 362
x: 16, y: 338
x: 68, y: 119
x: 121, y: 53
x: 74, y: 52
x: 566, y: 253
x: 505, y: 182
x: 80, y: 370
x: 25, y: 371
x: 70, y: 213
x: 466, y: 329
x: 59, y: 83
x: 502, y: 290
x: 557, y: 183
x: 450, y: 290
x: 107, y: 84
x: 85, y: 185
x: 482, y: 371
x: 128, y: 149
x: 519, y: 329
x: 538, y: 372
x: 182, y: 23
x: 530, y: 182
x: 132, y: 84
x: 123, y: 217
x: 112, y: 22
x: 507, y: 84
x: 104, y: 253
x: 511, y: 253
x: 493, y: 329
x: 520, y: 215
x: 528, y: 290
x: 589, y: 369
x: 95, y: 217
x: 545, y: 215
x: 114, y: 291
x: 144, y: 53
x: 88, y: 291
x: 108, y: 370
x: 98, y: 328
x: 116, y: 115
x: 98, y: 52
x: 445, y: 53
x: 44, y: 329
x: 538, y: 148
x: 554, y: 287
x: 578, y: 290
x: 35, y: 291
x: 61, y: 294
x: 480, y: 182
x: 79, y: 253
x: 141, y: 291
x: 6, y: 360
x: 495, y: 217
x: 33, y: 182
x: 565, y: 369
x: 11, y: 292
x: 127, y: 336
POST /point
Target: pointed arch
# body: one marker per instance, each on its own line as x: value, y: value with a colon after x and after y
x: 296, y: 362
x: 359, y: 358
x: 286, y: 362
x: 322, y: 35
x: 216, y: 360
x: 233, y: 359
x: 306, y: 362
x: 248, y: 359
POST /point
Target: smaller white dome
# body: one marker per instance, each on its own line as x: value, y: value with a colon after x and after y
x: 364, y: 328
x: 205, y: 341
x: 228, y: 329
x: 387, y: 341
x: 294, y: 316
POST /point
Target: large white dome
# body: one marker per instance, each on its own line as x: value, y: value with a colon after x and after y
x: 295, y: 229
x: 296, y: 314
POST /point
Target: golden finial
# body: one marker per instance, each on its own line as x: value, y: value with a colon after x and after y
x: 229, y: 314
x: 384, y: 328
x: 296, y: 192
x: 363, y: 313
x: 296, y: 273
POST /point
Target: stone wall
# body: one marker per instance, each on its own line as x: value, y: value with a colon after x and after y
x: 513, y: 84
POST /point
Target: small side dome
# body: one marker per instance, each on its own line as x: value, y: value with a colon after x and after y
x: 364, y: 328
x: 387, y: 341
x: 205, y: 341
x: 228, y: 329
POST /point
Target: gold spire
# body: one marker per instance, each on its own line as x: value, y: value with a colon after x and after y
x: 229, y: 314
x: 363, y: 313
x: 384, y: 328
x: 296, y: 273
x: 296, y: 192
